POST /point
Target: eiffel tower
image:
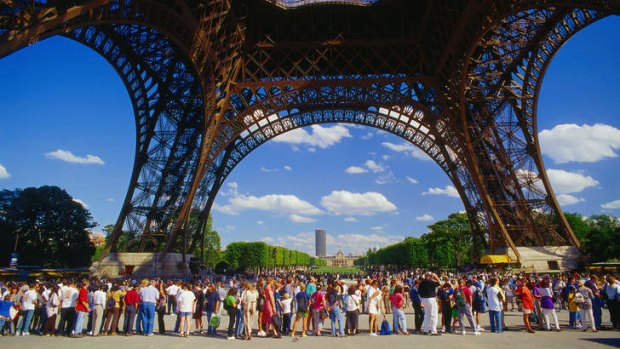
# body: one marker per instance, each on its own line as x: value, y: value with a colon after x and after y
x: 212, y: 80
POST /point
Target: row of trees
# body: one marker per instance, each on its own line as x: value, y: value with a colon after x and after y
x: 258, y: 255
x: 448, y: 244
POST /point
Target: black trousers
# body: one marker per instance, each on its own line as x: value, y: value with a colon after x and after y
x: 419, y: 315
x: 352, y: 321
x: 161, y: 325
x: 66, y: 321
x: 446, y: 311
x: 231, y: 321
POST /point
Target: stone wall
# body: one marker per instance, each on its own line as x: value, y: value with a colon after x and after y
x: 143, y: 264
x: 537, y: 258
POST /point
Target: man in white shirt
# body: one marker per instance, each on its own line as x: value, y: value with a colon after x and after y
x: 172, y: 291
x: 99, y: 301
x: 68, y: 298
x: 611, y: 290
x: 28, y: 301
x: 495, y: 297
x: 148, y: 296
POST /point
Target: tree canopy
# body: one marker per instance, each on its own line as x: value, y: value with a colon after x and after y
x: 48, y: 227
x: 252, y: 255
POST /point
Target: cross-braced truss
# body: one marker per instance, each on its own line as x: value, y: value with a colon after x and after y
x: 212, y: 80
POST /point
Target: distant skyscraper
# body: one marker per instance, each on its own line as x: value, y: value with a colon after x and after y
x: 320, y: 239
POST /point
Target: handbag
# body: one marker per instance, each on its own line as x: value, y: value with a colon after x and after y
x: 324, y: 314
x: 215, y: 321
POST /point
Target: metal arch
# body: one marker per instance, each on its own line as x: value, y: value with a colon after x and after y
x: 506, y: 76
x: 165, y: 133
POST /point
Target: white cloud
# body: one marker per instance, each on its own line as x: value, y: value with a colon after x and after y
x: 351, y: 220
x: 612, y: 205
x: 407, y: 148
x: 67, y: 156
x: 85, y: 205
x: 567, y: 199
x: 301, y: 219
x: 288, y: 168
x: 322, y: 137
x: 586, y: 143
x: 363, y: 204
x: 260, y: 222
x: 385, y: 157
x: 355, y: 170
x: 4, y: 174
x: 424, y: 218
x: 269, y: 170
x: 412, y: 180
x: 377, y: 228
x: 367, y: 136
x: 374, y: 167
x: 447, y: 190
x: 564, y: 182
x: 285, y: 204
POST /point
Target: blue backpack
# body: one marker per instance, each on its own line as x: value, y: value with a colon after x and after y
x: 385, y: 328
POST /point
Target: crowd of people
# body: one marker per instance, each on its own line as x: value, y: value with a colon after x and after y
x: 282, y: 305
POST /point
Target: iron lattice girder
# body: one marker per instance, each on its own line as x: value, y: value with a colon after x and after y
x: 195, y: 69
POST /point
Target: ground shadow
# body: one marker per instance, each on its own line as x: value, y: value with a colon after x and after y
x: 612, y: 342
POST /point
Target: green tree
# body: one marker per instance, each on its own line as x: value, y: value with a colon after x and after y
x: 48, y: 227
x: 212, y: 245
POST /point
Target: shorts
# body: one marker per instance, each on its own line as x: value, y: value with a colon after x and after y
x: 527, y: 311
x: 185, y: 313
x: 372, y: 309
x: 302, y: 313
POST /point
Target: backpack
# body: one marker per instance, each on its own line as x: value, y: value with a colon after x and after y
x: 110, y: 303
x: 579, y: 299
x: 332, y: 298
x: 459, y: 296
x: 302, y: 302
x: 478, y: 296
x: 385, y: 328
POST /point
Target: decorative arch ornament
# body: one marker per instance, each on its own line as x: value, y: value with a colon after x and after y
x: 210, y: 81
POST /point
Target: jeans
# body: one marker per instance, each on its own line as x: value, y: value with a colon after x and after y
x: 24, y: 325
x: 336, y: 315
x: 140, y: 320
x: 210, y: 329
x: 149, y: 317
x: 79, y: 322
x: 130, y: 317
x: 400, y: 321
x: 239, y: 328
x: 430, y: 314
x: 286, y: 323
x: 495, y: 318
x: 597, y: 311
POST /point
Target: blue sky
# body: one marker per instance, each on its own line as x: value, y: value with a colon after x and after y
x: 61, y: 102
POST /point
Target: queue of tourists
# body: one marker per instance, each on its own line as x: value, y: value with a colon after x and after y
x: 276, y: 305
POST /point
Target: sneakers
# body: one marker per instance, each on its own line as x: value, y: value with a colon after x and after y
x: 463, y: 332
x: 303, y: 334
x: 477, y: 333
x: 373, y: 334
x: 231, y: 338
x: 261, y: 333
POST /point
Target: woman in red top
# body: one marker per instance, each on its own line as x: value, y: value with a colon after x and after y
x: 317, y: 304
x: 269, y: 308
x: 398, y: 301
x: 527, y: 302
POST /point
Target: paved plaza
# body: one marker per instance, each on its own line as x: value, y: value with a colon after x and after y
x: 514, y: 336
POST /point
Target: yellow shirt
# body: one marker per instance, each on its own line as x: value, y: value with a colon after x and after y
x: 117, y: 297
x: 572, y: 306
